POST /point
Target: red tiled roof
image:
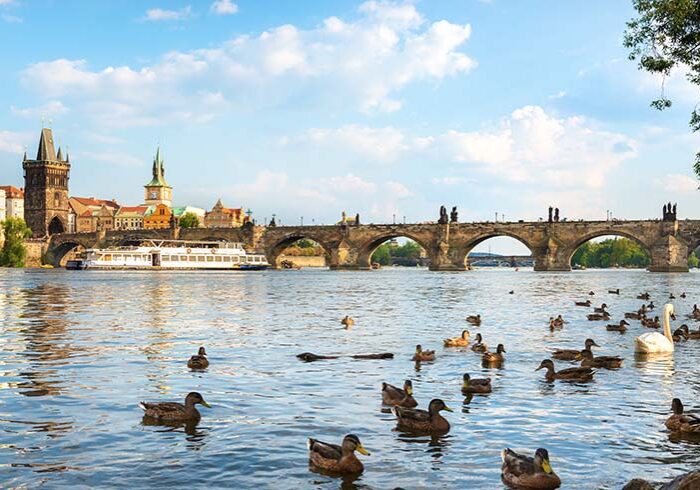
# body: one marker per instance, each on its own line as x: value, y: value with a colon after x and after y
x: 133, y: 209
x: 12, y: 192
x: 91, y: 201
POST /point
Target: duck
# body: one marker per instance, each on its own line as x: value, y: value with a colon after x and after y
x: 607, y: 362
x: 651, y: 305
x: 471, y: 386
x: 683, y: 295
x: 391, y: 395
x: 644, y: 296
x: 526, y: 472
x: 494, y: 357
x: 422, y: 420
x: 199, y: 361
x: 686, y: 481
x: 347, y: 321
x: 461, y: 341
x: 671, y: 296
x: 423, y: 355
x: 654, y: 342
x: 681, y: 422
x: 586, y: 303
x: 474, y: 320
x: 591, y: 293
x: 572, y: 374
x: 600, y: 309
x: 478, y: 345
x: 681, y: 334
x: 596, y: 317
x: 511, y: 291
x: 337, y: 459
x: 695, y: 313
x: 634, y: 316
x: 559, y: 320
x: 692, y: 334
x: 622, y: 327
x: 173, y: 411
x: 614, y: 291
x: 572, y: 354
x: 651, y: 323
x: 553, y: 325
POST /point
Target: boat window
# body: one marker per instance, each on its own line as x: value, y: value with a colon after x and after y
x: 200, y: 258
x: 210, y: 258
x: 193, y: 258
x: 175, y: 258
x: 218, y: 258
x: 235, y: 259
x: 165, y: 258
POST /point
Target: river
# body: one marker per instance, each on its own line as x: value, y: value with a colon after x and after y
x: 81, y: 349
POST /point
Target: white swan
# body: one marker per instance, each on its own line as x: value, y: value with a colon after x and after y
x: 654, y: 341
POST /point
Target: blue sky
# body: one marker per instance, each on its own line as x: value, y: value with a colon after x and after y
x: 382, y: 108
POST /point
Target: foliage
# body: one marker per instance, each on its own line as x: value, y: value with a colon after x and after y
x: 189, y: 220
x: 304, y: 248
x: 387, y: 251
x: 693, y: 260
x: 666, y: 35
x: 13, y: 250
x: 613, y: 252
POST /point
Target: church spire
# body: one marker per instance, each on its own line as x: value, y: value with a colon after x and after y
x: 59, y: 155
x: 46, y: 151
x: 158, y: 172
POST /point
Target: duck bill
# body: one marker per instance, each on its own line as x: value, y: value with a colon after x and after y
x: 409, y: 391
x: 546, y: 467
x: 539, y: 368
x: 448, y: 409
x: 361, y: 449
x: 206, y: 404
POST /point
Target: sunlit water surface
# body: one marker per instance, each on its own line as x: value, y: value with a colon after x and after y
x: 80, y: 349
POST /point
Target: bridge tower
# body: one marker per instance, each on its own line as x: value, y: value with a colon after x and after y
x: 46, y: 188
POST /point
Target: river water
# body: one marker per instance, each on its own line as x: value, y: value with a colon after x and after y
x: 80, y: 349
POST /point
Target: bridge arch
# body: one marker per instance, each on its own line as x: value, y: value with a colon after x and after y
x: 274, y: 251
x: 571, y: 249
x: 367, y: 249
x: 57, y: 251
x: 463, y: 251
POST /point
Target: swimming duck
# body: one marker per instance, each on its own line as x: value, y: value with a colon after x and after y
x: 651, y: 305
x: 591, y: 293
x: 671, y: 296
x: 474, y: 320
x: 573, y: 374
x: 173, y: 411
x: 681, y: 333
x: 337, y: 459
x: 681, y: 422
x: 686, y: 481
x: 683, y: 295
x: 421, y: 420
x: 391, y: 395
x: 691, y: 334
x: 511, y: 291
x: 553, y: 325
x: 572, y: 354
x: 199, y: 361
x: 607, y: 362
x: 583, y: 303
x: 596, y: 317
x: 470, y: 386
x: 600, y: 309
x: 559, y: 320
x: 622, y: 327
x: 614, y: 291
x: 644, y: 296
x: 695, y: 313
x: 479, y: 346
x: 649, y: 323
x: 461, y: 341
x: 423, y: 355
x: 520, y: 471
x: 347, y: 321
x: 494, y: 357
x: 634, y: 316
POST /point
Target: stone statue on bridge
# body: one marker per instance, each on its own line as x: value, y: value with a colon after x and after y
x: 670, y: 212
x: 551, y: 210
x: 443, y: 216
x: 357, y: 219
x: 556, y: 215
x: 454, y: 217
x: 273, y: 223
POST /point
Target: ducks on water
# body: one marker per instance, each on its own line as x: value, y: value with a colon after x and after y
x: 423, y: 355
x: 474, y: 320
x: 621, y: 327
x: 686, y: 481
x: 586, y: 303
x: 479, y: 345
x: 494, y: 358
x: 651, y: 323
x: 471, y: 386
x: 572, y: 354
x: 654, y: 342
x: 683, y: 295
x: 596, y: 317
x: 422, y: 420
x: 337, y: 459
x: 461, y: 341
x: 391, y: 395
x: 644, y: 296
x: 601, y: 309
x: 681, y: 334
x: 681, y: 422
x: 607, y: 362
x: 347, y: 321
x: 614, y: 291
x: 199, y: 361
x: 555, y: 323
x: 691, y: 334
x: 571, y: 374
x: 591, y: 293
x: 526, y: 472
x: 173, y: 411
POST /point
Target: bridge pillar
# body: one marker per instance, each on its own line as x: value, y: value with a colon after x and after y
x: 552, y: 256
x: 346, y: 258
x: 669, y: 255
x: 445, y: 257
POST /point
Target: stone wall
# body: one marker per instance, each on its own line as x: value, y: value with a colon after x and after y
x: 35, y: 252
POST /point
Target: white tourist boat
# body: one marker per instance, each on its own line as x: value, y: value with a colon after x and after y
x: 172, y: 255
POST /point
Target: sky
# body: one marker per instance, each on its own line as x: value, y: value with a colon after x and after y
x: 387, y: 109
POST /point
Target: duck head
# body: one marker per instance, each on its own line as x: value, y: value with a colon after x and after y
x: 437, y: 405
x: 500, y: 349
x: 546, y: 364
x: 351, y: 443
x: 542, y: 461
x: 408, y: 387
x: 195, y: 398
x: 677, y: 406
x: 201, y: 351
x: 590, y: 343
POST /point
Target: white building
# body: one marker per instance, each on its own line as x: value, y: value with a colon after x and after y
x: 13, y: 201
x: 3, y: 213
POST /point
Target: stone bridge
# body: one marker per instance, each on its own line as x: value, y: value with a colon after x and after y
x: 447, y: 245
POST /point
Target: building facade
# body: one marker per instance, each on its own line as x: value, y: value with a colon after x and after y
x: 130, y: 218
x: 46, y: 204
x: 92, y: 214
x: 157, y: 190
x: 223, y: 217
x: 14, y: 201
x: 158, y: 217
x: 3, y: 213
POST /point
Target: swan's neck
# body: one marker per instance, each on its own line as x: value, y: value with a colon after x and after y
x: 667, y: 325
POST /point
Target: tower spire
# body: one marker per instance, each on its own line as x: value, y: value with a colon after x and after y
x: 46, y: 151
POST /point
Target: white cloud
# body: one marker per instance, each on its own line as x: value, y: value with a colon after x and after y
x: 52, y: 108
x: 12, y: 19
x: 116, y: 158
x: 157, y: 14
x: 678, y: 183
x: 531, y: 145
x: 13, y: 142
x: 223, y: 7
x: 559, y: 95
x: 363, y: 64
x: 379, y: 144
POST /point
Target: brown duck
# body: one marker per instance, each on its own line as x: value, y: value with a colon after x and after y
x: 681, y: 422
x: 173, y: 411
x: 526, y: 472
x: 570, y: 374
x: 474, y: 320
x: 622, y: 327
x: 586, y: 303
x: 478, y: 345
x: 494, y: 358
x: 391, y: 395
x: 423, y: 355
x: 461, y: 341
x: 607, y: 362
x: 199, y: 361
x: 479, y: 386
x: 422, y: 420
x: 572, y: 354
x: 337, y: 459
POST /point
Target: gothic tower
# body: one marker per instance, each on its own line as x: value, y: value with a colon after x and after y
x: 157, y: 190
x: 46, y: 188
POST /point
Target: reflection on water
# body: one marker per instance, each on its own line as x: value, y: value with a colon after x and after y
x: 81, y: 349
